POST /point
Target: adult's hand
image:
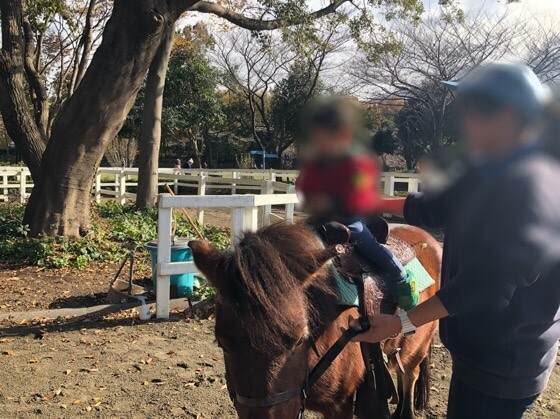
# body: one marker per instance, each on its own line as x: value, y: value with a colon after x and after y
x: 383, y: 326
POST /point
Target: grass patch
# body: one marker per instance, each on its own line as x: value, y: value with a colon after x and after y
x: 115, y: 229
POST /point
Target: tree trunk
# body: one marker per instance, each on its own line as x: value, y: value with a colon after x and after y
x: 14, y: 103
x: 150, y: 134
x: 60, y: 201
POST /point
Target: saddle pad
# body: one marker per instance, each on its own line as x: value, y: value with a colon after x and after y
x: 423, y: 278
x: 348, y: 292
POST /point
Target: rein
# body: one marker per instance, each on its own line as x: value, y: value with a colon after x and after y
x: 312, y: 377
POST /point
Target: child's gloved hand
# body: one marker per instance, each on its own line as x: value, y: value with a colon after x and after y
x: 405, y: 293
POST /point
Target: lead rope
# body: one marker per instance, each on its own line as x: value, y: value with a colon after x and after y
x: 327, y: 359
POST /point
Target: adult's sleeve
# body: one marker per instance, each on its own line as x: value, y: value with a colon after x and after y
x: 432, y: 209
x: 509, y: 247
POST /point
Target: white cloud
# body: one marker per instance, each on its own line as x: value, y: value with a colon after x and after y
x: 540, y: 9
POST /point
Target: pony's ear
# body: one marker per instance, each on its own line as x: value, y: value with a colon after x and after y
x: 320, y: 258
x: 208, y: 260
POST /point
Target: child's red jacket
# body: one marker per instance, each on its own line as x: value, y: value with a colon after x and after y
x: 349, y: 184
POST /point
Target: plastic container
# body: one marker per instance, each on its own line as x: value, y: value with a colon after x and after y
x: 181, y: 285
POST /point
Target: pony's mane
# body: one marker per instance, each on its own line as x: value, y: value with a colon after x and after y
x: 265, y: 273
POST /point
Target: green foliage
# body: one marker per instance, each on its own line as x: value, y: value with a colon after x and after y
x: 384, y: 141
x: 289, y: 99
x: 116, y: 229
x: 41, y: 12
x: 190, y: 106
x: 204, y: 290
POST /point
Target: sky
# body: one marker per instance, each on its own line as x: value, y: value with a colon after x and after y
x: 539, y: 9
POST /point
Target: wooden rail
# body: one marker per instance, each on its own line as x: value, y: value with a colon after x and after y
x: 244, y: 217
x: 118, y: 183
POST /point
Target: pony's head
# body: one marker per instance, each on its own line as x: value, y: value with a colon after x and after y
x: 263, y: 313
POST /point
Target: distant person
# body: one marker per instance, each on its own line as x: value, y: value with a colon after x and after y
x: 499, y: 301
x: 177, y: 168
x: 339, y: 182
x: 190, y: 162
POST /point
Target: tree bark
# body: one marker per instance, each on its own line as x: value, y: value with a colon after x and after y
x: 14, y: 103
x: 60, y: 201
x: 150, y: 133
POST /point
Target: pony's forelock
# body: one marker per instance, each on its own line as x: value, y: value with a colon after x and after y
x: 265, y: 274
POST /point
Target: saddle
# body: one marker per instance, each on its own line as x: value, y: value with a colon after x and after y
x: 357, y: 282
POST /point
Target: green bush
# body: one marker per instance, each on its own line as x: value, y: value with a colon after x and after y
x: 116, y: 228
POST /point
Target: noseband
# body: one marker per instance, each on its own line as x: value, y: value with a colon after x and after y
x: 311, y: 378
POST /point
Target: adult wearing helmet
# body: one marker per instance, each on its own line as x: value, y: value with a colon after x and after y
x: 500, y: 295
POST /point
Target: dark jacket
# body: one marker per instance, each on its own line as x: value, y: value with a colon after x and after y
x: 501, y: 271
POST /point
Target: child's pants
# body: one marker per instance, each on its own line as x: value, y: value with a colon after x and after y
x: 375, y: 253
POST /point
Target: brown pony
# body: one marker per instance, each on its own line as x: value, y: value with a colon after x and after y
x: 275, y: 297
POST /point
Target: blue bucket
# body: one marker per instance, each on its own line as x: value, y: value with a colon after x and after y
x: 182, y: 284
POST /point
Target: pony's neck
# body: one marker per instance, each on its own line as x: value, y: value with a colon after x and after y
x: 323, y: 308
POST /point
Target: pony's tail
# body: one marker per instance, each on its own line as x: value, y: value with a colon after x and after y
x: 422, y: 387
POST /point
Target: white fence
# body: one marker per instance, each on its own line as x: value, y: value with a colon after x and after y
x: 116, y: 183
x: 244, y: 218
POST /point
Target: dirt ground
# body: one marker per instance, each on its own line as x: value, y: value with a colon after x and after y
x: 117, y: 366
x: 121, y: 368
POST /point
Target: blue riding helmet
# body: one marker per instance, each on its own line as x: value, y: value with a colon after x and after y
x: 511, y: 84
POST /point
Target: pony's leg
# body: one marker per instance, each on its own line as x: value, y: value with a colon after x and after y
x: 407, y: 399
x: 400, y: 386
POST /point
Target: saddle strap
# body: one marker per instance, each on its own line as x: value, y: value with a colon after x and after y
x: 384, y: 384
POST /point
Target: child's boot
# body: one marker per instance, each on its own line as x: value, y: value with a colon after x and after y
x: 405, y: 292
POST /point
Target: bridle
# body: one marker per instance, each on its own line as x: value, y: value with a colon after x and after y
x: 312, y: 376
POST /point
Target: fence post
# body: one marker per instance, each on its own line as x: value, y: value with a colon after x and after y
x: 237, y: 224
x: 243, y: 219
x: 176, y: 183
x: 201, y: 191
x: 234, y: 175
x: 122, y: 188
x: 413, y: 185
x: 268, y: 208
x: 98, y: 187
x: 389, y: 188
x: 22, y: 186
x: 290, y: 207
x: 163, y: 257
x: 5, y: 196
